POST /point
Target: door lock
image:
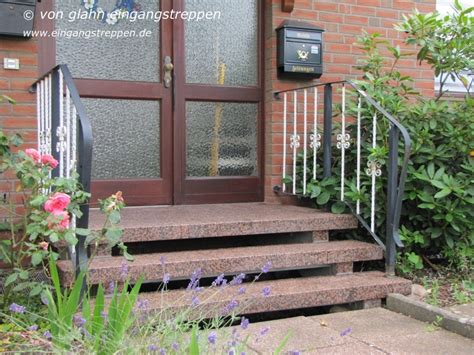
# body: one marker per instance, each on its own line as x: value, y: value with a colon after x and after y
x: 168, y: 69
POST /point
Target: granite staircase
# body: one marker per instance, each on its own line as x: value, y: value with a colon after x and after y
x: 307, y: 270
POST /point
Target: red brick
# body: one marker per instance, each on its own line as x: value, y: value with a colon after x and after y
x: 358, y: 20
x: 331, y: 17
x: 324, y: 6
x: 363, y: 10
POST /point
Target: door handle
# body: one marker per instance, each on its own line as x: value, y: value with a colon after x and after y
x: 168, y: 69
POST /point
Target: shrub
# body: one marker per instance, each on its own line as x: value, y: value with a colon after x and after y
x: 438, y: 216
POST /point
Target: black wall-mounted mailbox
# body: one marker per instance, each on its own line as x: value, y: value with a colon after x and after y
x: 16, y: 16
x: 300, y: 50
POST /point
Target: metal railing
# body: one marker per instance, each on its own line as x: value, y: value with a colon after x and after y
x: 64, y: 131
x: 301, y: 163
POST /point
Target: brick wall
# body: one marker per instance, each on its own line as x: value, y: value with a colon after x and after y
x: 342, y: 22
x: 15, y: 83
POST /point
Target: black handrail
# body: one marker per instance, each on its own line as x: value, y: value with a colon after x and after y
x: 84, y: 149
x: 396, y: 182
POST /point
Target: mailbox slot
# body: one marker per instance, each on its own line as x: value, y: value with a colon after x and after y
x: 300, y: 50
x: 15, y: 17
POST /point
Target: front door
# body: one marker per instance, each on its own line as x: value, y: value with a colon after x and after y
x: 175, y: 99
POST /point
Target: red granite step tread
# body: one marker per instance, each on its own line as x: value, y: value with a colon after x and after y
x: 230, y: 260
x: 284, y: 294
x: 221, y: 220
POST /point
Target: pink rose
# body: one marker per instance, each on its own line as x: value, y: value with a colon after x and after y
x: 44, y: 245
x: 33, y: 154
x: 63, y: 223
x: 49, y: 160
x: 57, y: 203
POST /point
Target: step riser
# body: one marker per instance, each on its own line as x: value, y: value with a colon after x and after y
x: 214, y: 262
x: 208, y: 243
x: 284, y: 295
x: 225, y: 220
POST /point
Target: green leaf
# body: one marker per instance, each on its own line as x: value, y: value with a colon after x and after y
x: 11, y: 279
x: 24, y: 274
x: 71, y: 238
x: 114, y: 217
x: 36, y: 258
x: 438, y: 184
x: 36, y: 291
x: 449, y: 218
x: 338, y: 207
x: 443, y: 193
x: 316, y: 191
x: 323, y: 198
x: 83, y: 232
x: 194, y: 345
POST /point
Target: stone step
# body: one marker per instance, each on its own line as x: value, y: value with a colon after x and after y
x: 157, y: 223
x: 212, y: 262
x: 285, y: 294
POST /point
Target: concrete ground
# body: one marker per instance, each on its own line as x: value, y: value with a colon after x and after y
x: 370, y: 331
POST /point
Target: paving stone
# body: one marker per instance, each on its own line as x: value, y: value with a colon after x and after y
x: 397, y: 334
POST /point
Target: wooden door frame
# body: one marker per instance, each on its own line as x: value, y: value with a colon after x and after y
x: 175, y: 187
x: 140, y: 191
x: 226, y: 189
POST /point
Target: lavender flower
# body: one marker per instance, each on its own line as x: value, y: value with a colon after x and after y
x: 47, y: 334
x: 231, y: 352
x: 195, y: 301
x: 104, y: 315
x: 152, y: 347
x: 175, y: 346
x: 162, y: 261
x: 241, y: 290
x: 44, y: 299
x: 237, y: 280
x: 294, y: 352
x: 166, y: 279
x: 16, y: 308
x: 212, y: 337
x: 346, y: 332
x: 111, y: 287
x: 218, y: 281
x: 194, y: 281
x: 264, y: 331
x: 266, y: 291
x: 33, y: 328
x: 162, y: 351
x: 244, y: 323
x: 123, y: 270
x: 78, y: 321
x: 231, y: 306
x: 142, y: 304
x: 266, y: 268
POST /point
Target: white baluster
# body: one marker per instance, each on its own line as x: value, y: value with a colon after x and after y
x: 38, y: 118
x: 315, y: 137
x: 305, y: 143
x: 343, y: 141
x: 60, y: 133
x: 295, y: 139
x: 74, y: 138
x: 68, y: 131
x: 373, y: 170
x: 285, y: 98
x: 41, y: 117
x: 359, y: 106
x: 50, y: 114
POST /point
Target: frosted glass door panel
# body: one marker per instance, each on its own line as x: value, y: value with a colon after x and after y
x: 92, y: 56
x: 223, y: 51
x: 126, y: 138
x: 221, y: 139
